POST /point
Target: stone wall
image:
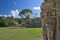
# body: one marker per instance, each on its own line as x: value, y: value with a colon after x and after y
x: 50, y: 18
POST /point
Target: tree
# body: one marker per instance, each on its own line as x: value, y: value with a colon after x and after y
x: 25, y: 13
x: 11, y: 21
x: 3, y: 22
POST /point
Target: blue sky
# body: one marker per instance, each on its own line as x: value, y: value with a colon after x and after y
x: 9, y: 7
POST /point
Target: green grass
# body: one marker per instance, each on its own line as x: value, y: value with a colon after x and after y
x: 21, y: 34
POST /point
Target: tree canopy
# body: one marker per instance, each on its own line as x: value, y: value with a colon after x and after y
x: 25, y: 13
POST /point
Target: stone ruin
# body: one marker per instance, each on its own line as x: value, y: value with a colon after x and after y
x: 50, y: 18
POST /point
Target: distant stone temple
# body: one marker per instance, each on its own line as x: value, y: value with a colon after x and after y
x: 50, y: 18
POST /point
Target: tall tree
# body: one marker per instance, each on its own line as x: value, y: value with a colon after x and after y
x: 25, y: 13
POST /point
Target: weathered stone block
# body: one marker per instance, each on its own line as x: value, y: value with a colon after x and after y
x: 50, y: 16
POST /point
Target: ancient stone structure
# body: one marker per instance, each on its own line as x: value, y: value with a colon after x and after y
x: 50, y: 16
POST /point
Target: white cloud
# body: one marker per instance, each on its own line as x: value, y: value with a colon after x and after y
x: 15, y: 13
x: 38, y: 15
x: 5, y: 15
x: 15, y: 3
x: 1, y: 15
x: 37, y: 11
x: 36, y: 8
x: 9, y: 15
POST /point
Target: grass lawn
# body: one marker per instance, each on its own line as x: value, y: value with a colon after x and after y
x: 21, y: 34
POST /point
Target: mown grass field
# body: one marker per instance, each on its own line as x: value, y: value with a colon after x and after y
x: 21, y: 34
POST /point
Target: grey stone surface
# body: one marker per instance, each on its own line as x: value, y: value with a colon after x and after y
x: 50, y: 18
